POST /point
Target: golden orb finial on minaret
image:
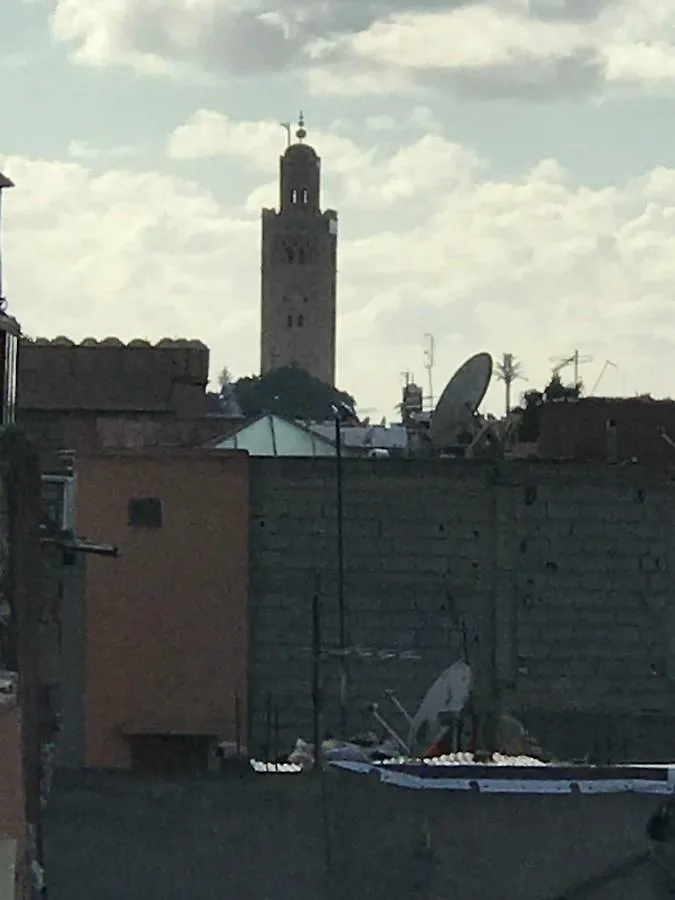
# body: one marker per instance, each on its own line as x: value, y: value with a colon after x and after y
x: 301, y: 133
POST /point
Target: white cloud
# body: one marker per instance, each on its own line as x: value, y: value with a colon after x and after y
x: 528, y: 48
x: 84, y: 150
x: 209, y: 133
x: 474, y: 37
x: 381, y: 123
x: 429, y: 243
x: 369, y: 178
x: 419, y: 118
x: 139, y: 254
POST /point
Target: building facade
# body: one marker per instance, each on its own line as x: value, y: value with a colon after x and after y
x: 299, y: 270
x: 165, y: 626
x: 99, y: 395
x: 609, y: 429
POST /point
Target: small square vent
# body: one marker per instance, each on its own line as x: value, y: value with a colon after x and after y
x: 145, y: 512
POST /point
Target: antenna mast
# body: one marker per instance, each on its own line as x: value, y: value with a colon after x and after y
x: 574, y: 360
x: 429, y: 347
x: 287, y: 128
x: 608, y: 364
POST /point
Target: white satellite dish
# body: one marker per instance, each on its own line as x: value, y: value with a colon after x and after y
x: 459, y: 401
x: 445, y: 699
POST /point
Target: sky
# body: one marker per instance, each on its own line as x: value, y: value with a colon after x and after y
x: 503, y: 170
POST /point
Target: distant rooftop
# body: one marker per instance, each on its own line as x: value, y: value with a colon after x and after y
x: 112, y: 376
x: 366, y: 437
x: 638, y: 398
x: 63, y: 341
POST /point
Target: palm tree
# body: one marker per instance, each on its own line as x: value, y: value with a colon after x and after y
x: 509, y: 370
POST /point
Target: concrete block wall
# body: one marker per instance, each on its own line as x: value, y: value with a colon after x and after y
x: 560, y: 574
x: 280, y: 836
x: 592, y: 579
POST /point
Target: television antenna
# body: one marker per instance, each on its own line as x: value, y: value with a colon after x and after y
x: 508, y: 371
x: 429, y: 348
x: 561, y: 362
x: 608, y: 365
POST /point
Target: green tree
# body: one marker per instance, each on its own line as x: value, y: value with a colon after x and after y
x: 528, y: 430
x: 555, y: 391
x: 224, y: 379
x: 290, y: 392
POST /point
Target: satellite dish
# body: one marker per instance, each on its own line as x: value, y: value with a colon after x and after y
x: 446, y: 698
x: 460, y: 400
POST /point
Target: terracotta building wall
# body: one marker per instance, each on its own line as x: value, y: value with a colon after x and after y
x: 169, y: 377
x: 165, y: 622
x: 86, y: 433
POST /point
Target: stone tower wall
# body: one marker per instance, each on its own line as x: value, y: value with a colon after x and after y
x: 299, y: 265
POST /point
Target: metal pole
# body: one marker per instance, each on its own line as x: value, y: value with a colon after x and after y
x: 341, y: 576
x: 316, y: 680
x: 268, y: 729
x: 490, y: 658
x: 237, y: 724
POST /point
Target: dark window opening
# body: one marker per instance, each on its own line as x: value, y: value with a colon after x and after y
x: 305, y: 195
x: 145, y: 512
x: 289, y: 321
x: 301, y: 255
x: 300, y: 321
x: 290, y: 254
x: 294, y: 196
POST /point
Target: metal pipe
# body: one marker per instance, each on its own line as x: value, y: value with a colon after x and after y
x: 268, y: 728
x: 275, y: 744
x: 237, y: 724
x: 341, y: 574
x: 390, y: 731
x: 399, y: 706
x: 316, y: 679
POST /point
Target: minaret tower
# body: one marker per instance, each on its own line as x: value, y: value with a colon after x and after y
x: 299, y: 269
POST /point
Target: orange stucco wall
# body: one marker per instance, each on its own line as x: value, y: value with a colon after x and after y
x: 166, y: 634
